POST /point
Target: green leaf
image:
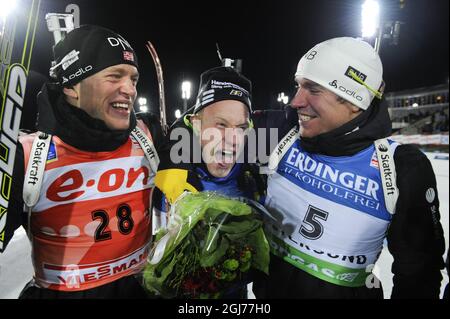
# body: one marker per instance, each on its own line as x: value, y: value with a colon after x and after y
x: 212, y: 258
x: 261, y: 256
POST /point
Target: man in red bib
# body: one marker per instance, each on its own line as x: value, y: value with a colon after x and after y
x: 87, y: 175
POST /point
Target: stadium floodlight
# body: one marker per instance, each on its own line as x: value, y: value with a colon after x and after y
x: 185, y: 93
x: 143, y: 107
x: 370, y: 18
x: 186, y: 90
x: 142, y: 101
x: 283, y: 98
x: 6, y: 7
x: 177, y: 113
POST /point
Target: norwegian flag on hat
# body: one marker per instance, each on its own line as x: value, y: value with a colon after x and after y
x: 127, y: 55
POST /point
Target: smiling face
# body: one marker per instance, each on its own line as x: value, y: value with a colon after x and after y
x: 319, y: 110
x: 107, y: 95
x: 222, y: 126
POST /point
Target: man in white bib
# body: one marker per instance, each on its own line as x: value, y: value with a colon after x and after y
x: 338, y: 188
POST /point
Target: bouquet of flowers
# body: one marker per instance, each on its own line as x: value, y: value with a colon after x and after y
x: 208, y: 248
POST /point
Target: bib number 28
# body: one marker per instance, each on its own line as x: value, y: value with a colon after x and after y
x: 125, y: 222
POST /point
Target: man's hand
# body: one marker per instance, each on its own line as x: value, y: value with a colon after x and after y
x: 174, y: 181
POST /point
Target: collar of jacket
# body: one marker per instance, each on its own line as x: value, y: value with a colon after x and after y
x: 204, y: 174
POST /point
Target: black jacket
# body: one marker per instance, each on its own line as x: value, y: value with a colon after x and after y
x: 415, y: 236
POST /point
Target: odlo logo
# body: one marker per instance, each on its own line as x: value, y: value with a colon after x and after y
x: 346, y: 91
x: 333, y: 84
x: 78, y: 73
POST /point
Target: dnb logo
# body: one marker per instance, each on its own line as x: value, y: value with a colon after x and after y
x: 11, y: 113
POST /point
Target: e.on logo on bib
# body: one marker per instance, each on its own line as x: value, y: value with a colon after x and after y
x: 94, y: 180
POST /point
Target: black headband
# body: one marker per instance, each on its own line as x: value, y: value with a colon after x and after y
x: 88, y: 50
x: 223, y: 83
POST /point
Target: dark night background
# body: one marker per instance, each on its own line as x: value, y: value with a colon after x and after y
x: 270, y: 36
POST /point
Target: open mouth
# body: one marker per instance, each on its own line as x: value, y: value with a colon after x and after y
x: 224, y: 157
x: 121, y: 108
x: 305, y: 118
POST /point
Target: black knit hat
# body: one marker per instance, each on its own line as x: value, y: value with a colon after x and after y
x: 223, y: 83
x: 87, y: 50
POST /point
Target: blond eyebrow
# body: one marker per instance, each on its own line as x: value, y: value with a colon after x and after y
x: 224, y: 120
x: 122, y: 71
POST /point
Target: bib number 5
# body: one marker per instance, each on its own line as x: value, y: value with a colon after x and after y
x: 311, y: 227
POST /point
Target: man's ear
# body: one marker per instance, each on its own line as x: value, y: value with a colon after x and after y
x: 195, y: 123
x: 194, y: 117
x: 71, y: 92
x: 354, y: 108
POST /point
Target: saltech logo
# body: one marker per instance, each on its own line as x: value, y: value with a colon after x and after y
x: 387, y: 171
x: 36, y: 161
x: 145, y: 144
x: 282, y: 145
x: 359, y: 74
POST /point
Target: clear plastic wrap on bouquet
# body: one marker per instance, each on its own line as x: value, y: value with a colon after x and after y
x: 210, y: 246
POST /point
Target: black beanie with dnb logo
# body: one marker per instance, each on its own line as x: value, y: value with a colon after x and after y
x: 87, y: 50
